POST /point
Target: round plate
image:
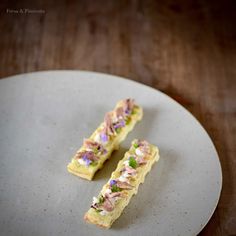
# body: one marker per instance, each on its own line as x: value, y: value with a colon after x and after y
x: 43, y: 119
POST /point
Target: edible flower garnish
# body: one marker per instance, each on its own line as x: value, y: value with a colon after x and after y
x: 128, y: 105
x: 113, y: 186
x: 104, y: 137
x: 87, y: 156
x: 132, y: 162
x: 86, y: 160
x: 126, y: 109
x: 119, y: 124
x: 106, y: 203
x: 112, y: 182
x: 114, y: 121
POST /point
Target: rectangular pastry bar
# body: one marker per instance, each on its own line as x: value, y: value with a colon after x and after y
x: 123, y: 184
x: 106, y: 138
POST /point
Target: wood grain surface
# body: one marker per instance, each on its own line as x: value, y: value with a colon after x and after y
x: 187, y: 49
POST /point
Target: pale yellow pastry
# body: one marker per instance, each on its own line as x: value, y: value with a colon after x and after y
x: 123, y: 184
x: 106, y: 138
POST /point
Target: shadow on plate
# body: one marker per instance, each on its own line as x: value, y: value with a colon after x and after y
x: 110, y: 164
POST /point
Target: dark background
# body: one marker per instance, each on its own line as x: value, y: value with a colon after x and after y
x: 186, y: 49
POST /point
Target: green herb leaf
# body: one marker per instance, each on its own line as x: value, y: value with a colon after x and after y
x: 132, y: 162
x: 93, y: 163
x: 101, y: 199
x: 98, y: 210
x: 95, y: 150
x: 118, y: 130
x: 128, y: 119
x: 135, y: 145
x: 114, y: 188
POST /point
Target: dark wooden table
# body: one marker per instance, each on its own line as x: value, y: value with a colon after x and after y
x: 185, y: 48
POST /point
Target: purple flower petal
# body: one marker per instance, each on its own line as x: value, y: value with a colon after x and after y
x: 88, y: 162
x: 119, y: 124
x: 112, y: 182
x: 116, y: 126
x: 104, y: 137
x: 86, y: 159
x: 127, y: 111
x: 122, y: 123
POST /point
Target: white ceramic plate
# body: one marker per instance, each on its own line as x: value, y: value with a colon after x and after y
x: 43, y: 119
